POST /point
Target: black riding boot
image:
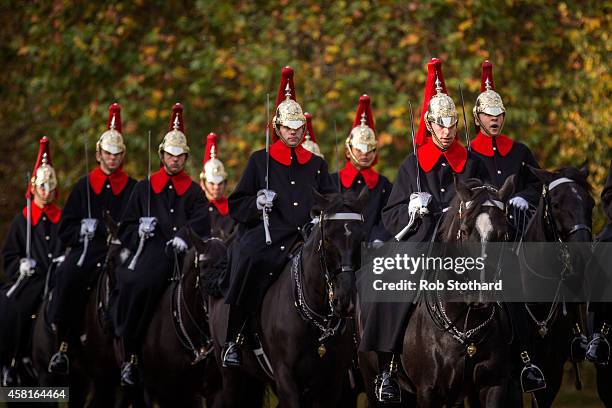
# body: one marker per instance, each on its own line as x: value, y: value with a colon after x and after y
x: 130, y: 373
x: 386, y: 387
x: 598, y: 350
x: 231, y: 355
x: 532, y: 378
x: 59, y: 362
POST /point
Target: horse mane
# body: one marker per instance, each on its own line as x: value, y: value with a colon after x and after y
x: 480, y: 194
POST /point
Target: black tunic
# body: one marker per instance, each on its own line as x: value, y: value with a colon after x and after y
x: 221, y: 226
x: 15, y: 312
x: 139, y: 290
x: 253, y: 264
x: 377, y: 199
x: 384, y: 323
x: 515, y: 162
x: 72, y: 280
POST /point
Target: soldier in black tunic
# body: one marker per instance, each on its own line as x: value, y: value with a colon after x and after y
x: 440, y: 157
x: 27, y: 273
x: 105, y: 190
x: 502, y: 155
x: 358, y: 172
x: 598, y: 350
x: 505, y: 157
x: 156, y: 222
x: 213, y: 180
x: 293, y: 173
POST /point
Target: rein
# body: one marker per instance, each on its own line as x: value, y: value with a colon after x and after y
x: 565, y: 256
x: 201, y: 347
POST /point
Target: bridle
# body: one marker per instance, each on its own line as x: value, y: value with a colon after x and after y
x: 327, y: 323
x: 549, y: 215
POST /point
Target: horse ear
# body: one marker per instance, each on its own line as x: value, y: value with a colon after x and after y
x: 584, y: 169
x: 464, y: 192
x: 506, y: 191
x: 544, y: 176
x: 320, y: 200
x: 362, y: 198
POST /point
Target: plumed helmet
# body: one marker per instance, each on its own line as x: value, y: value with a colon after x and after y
x: 43, y: 174
x: 489, y: 101
x: 310, y: 140
x: 213, y: 170
x: 363, y: 134
x: 437, y: 106
x: 288, y: 111
x: 175, y: 141
x: 112, y: 140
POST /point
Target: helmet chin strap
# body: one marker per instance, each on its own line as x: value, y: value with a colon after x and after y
x: 278, y: 133
x: 435, y: 137
x: 487, y: 131
x: 355, y: 161
x: 105, y: 165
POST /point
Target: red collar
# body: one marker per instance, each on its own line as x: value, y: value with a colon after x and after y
x: 483, y: 144
x: 282, y: 153
x: 51, y: 210
x: 221, y: 205
x: 349, y: 172
x: 181, y: 181
x: 429, y: 154
x: 118, y: 180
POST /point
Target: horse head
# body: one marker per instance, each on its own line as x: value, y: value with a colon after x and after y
x: 339, y: 237
x: 209, y: 257
x: 477, y: 213
x: 567, y: 200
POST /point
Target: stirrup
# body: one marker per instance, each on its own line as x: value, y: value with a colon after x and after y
x: 130, y: 372
x: 532, y: 378
x: 387, y: 388
x: 232, y: 355
x: 59, y: 362
x: 578, y: 345
x: 598, y: 351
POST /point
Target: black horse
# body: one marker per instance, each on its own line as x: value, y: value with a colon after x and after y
x: 178, y: 363
x: 563, y: 216
x: 454, y: 351
x: 94, y: 372
x: 305, y: 321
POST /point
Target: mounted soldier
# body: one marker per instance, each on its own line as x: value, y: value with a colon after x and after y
x: 506, y: 157
x: 30, y: 248
x: 598, y: 350
x: 271, y: 204
x: 105, y: 190
x: 423, y: 190
x: 213, y: 180
x: 159, y: 213
x: 361, y: 151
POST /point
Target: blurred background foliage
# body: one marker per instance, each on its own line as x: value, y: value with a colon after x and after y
x: 63, y: 63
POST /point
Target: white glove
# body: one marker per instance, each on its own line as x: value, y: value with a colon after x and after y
x: 265, y: 199
x: 519, y: 203
x: 27, y: 266
x: 418, y: 203
x: 178, y: 243
x: 146, y: 226
x: 377, y: 243
x: 88, y: 227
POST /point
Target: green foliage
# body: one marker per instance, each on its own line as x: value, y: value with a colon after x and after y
x: 65, y: 62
